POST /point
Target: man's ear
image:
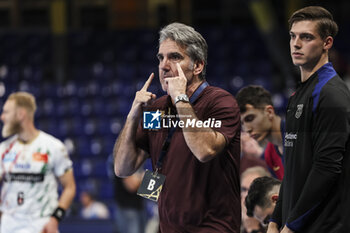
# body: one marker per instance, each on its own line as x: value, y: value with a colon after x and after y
x: 20, y: 113
x: 328, y: 43
x: 274, y: 198
x: 270, y: 111
x: 198, y: 67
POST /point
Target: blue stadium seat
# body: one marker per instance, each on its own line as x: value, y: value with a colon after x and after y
x: 106, y: 190
x: 83, y: 146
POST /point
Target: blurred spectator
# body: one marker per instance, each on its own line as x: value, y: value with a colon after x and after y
x: 152, y: 225
x: 92, y: 209
x: 262, y: 197
x: 261, y: 122
x: 131, y: 214
x: 250, y: 224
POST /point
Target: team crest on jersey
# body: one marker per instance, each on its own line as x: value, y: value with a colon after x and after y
x: 299, y: 110
x: 40, y: 157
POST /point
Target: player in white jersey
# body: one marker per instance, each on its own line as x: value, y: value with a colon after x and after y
x: 31, y: 163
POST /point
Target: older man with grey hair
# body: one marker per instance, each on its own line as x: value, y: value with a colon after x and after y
x: 191, y: 134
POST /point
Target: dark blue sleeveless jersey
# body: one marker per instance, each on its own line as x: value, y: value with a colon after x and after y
x: 316, y: 143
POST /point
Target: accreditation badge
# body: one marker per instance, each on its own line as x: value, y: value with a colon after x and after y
x: 151, y: 185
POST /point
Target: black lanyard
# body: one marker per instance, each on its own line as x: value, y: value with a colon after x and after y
x: 166, y: 143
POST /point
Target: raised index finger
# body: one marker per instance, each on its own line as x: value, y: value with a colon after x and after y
x: 148, y: 82
x: 180, y: 71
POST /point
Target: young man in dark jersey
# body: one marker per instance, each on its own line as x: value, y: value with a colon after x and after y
x: 313, y: 196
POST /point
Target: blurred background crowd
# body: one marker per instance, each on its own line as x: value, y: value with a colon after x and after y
x: 83, y: 60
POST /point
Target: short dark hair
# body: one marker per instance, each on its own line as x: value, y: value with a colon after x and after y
x: 255, y: 95
x: 258, y: 193
x: 326, y: 26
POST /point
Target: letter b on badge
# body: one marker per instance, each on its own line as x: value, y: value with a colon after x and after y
x: 151, y: 184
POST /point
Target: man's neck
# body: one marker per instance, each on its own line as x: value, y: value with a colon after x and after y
x: 307, y: 71
x: 191, y: 88
x: 28, y: 134
x: 276, y: 135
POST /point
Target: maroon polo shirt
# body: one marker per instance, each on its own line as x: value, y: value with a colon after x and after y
x: 198, y: 197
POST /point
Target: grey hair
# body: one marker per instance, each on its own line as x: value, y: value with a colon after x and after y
x: 188, y: 38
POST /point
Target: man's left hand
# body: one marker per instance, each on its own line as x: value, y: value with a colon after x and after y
x: 177, y: 85
x: 51, y: 226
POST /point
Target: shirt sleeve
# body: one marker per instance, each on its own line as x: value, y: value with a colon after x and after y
x: 62, y: 162
x: 329, y: 135
x: 224, y: 108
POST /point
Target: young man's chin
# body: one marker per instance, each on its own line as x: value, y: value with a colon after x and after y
x: 5, y: 133
x: 8, y: 131
x: 261, y: 139
x: 298, y: 63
